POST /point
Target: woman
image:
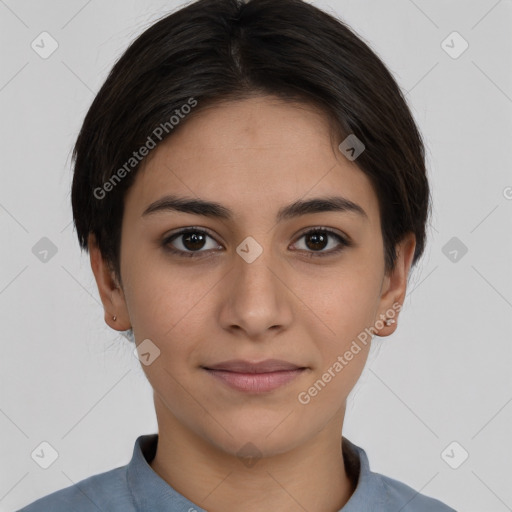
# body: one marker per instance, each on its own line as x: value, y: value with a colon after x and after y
x: 251, y: 187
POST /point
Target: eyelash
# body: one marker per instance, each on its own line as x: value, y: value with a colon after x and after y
x: 310, y: 254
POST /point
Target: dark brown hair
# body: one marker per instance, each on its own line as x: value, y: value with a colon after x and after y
x: 218, y: 50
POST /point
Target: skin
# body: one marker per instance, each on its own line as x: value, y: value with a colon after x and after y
x: 253, y: 157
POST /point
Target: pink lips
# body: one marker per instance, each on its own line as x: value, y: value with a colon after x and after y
x: 255, y: 377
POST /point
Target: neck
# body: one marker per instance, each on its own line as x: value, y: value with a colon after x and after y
x: 311, y: 476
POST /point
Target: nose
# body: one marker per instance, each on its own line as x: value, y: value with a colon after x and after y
x: 256, y: 301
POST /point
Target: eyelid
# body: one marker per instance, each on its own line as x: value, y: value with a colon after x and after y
x: 332, y: 231
x: 188, y: 229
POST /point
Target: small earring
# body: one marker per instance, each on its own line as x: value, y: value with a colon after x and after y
x: 390, y: 321
x: 114, y: 318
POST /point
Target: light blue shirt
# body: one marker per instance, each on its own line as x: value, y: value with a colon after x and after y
x: 137, y: 488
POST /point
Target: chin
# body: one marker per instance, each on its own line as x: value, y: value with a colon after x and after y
x: 255, y: 439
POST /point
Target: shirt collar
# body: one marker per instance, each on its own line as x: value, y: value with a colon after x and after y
x: 150, y: 492
x: 369, y: 492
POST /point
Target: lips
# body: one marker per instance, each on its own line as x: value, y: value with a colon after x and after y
x: 254, y: 378
x: 267, y: 366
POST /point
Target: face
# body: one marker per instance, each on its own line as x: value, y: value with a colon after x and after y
x: 249, y: 280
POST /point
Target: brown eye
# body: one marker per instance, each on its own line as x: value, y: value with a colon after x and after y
x: 189, y: 241
x: 318, y: 239
x: 193, y: 241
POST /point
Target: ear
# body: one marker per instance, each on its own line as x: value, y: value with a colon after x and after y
x: 111, y: 293
x: 394, y: 285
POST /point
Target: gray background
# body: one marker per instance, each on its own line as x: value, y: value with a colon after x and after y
x: 444, y: 376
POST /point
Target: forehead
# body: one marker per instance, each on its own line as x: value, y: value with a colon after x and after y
x: 254, y: 154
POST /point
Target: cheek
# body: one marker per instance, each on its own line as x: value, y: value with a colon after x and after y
x: 344, y: 311
x: 172, y: 309
x: 161, y: 296
x: 346, y: 301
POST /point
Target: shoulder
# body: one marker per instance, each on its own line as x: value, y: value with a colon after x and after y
x: 105, y: 491
x: 399, y: 496
x: 375, y: 492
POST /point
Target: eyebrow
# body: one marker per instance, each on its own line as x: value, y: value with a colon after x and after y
x: 215, y: 210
